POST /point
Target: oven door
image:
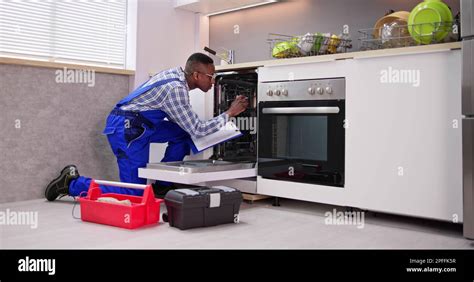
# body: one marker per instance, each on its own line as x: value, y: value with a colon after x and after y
x: 302, y: 141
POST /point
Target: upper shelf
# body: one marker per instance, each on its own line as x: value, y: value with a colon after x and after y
x: 208, y: 7
x: 343, y: 56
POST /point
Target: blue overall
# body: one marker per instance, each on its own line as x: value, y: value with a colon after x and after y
x: 130, y: 134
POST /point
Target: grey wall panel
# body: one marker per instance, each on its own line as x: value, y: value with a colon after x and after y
x: 61, y: 123
x: 294, y: 17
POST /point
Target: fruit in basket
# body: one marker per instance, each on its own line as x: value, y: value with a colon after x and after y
x: 286, y: 49
x: 323, y: 49
x: 318, y: 40
x: 306, y: 43
x: 311, y: 44
x: 334, y: 42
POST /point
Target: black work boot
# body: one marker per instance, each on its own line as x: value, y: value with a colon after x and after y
x: 60, y: 185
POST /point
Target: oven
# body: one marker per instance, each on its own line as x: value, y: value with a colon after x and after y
x: 301, y: 131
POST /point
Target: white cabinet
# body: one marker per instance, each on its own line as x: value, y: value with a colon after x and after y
x: 403, y: 143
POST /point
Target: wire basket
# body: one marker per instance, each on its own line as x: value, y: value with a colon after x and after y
x: 287, y: 46
x: 397, y: 35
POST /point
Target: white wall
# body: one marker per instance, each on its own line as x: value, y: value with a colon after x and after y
x: 166, y: 37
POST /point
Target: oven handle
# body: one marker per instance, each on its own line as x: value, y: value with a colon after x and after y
x: 301, y: 110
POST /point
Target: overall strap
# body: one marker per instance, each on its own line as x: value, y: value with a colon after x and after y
x: 143, y: 89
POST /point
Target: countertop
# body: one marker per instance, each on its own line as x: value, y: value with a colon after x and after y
x: 343, y: 56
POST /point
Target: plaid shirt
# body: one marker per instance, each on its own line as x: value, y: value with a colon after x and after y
x: 173, y: 99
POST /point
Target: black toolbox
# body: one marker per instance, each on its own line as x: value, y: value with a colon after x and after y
x: 202, y: 206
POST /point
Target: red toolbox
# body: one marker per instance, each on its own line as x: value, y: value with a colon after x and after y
x: 144, y: 210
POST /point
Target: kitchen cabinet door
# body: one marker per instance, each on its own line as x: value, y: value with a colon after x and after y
x: 403, y: 141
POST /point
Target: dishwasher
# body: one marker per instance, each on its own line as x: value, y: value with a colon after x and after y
x: 232, y: 163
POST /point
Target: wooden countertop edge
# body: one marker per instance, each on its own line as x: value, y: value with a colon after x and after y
x: 343, y: 56
x: 44, y: 64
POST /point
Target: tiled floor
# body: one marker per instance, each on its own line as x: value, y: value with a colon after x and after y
x: 293, y: 225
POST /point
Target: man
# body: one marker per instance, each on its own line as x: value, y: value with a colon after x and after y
x: 158, y: 111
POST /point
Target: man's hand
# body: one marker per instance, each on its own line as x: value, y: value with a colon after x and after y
x: 239, y: 105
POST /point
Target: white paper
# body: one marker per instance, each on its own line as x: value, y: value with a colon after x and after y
x: 225, y: 133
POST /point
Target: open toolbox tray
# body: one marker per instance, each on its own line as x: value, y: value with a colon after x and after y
x: 144, y: 210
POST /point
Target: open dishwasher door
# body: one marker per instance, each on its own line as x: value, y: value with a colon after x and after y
x: 233, y: 162
x: 198, y: 171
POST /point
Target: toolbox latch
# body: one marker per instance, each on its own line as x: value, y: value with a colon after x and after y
x: 215, y: 200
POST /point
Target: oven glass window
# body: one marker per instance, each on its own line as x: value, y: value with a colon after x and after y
x: 300, y: 137
x: 302, y: 147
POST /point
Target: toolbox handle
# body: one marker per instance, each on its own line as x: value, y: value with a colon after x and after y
x: 120, y: 184
x: 94, y: 191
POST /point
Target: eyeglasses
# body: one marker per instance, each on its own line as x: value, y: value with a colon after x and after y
x: 212, y: 76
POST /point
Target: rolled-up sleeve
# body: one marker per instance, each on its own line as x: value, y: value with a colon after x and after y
x: 179, y: 110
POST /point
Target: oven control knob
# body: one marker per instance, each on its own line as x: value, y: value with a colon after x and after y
x: 320, y: 90
x: 270, y: 92
x: 277, y: 92
x: 284, y: 92
x: 329, y: 90
x: 311, y: 91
